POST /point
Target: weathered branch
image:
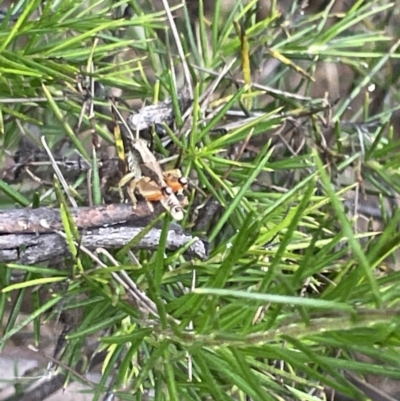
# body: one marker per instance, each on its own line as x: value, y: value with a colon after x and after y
x: 47, y: 220
x: 29, y: 235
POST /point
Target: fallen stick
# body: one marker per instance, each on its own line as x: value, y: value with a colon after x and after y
x: 29, y: 236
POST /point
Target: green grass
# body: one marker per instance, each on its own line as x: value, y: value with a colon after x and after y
x: 293, y: 290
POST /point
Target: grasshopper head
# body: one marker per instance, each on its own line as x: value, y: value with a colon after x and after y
x: 171, y: 203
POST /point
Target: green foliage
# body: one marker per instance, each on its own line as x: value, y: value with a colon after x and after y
x: 292, y: 292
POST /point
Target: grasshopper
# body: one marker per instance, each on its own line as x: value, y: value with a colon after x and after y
x: 146, y: 176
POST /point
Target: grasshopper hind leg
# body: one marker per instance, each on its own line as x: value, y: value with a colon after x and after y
x: 132, y: 184
x: 131, y: 192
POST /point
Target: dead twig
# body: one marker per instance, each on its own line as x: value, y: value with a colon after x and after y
x: 30, y: 235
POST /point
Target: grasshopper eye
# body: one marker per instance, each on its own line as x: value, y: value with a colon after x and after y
x: 167, y: 191
x: 183, y: 181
